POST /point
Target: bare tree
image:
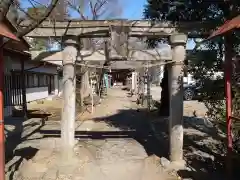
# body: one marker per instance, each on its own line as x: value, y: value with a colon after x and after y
x: 92, y: 10
x: 95, y: 9
x: 5, y: 6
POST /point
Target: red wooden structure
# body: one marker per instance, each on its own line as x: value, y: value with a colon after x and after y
x: 5, y: 33
x: 225, y: 30
x: 226, y: 27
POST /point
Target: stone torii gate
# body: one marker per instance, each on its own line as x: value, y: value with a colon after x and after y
x: 119, y: 31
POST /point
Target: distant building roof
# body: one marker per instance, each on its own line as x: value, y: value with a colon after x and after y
x: 6, y: 31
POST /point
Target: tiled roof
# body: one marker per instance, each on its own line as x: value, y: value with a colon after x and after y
x: 6, y: 32
x: 226, y: 27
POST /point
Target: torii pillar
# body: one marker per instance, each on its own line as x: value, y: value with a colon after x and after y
x: 70, y: 53
x: 134, y: 82
x: 175, y: 78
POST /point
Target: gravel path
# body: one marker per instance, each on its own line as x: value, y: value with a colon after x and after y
x: 115, y: 149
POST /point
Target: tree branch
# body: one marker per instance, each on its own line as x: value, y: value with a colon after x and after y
x: 39, y: 21
x: 98, y: 8
x: 26, y: 13
x: 4, y: 8
x: 78, y: 10
x: 93, y: 10
x: 38, y: 3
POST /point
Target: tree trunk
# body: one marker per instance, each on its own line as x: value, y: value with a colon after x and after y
x: 164, y: 106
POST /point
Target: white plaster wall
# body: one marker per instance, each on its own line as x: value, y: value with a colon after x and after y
x: 33, y: 94
x: 60, y: 87
x: 56, y: 83
x: 39, y: 92
x: 161, y: 69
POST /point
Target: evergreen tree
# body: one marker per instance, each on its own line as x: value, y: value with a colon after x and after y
x: 203, y: 65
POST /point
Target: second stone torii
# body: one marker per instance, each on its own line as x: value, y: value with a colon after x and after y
x: 70, y: 54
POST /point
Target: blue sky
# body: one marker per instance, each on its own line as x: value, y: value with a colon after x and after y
x: 132, y: 9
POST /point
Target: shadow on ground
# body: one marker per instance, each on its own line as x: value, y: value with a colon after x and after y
x: 203, y: 148
x: 205, y: 152
x: 133, y: 124
x: 205, y: 158
x: 17, y: 136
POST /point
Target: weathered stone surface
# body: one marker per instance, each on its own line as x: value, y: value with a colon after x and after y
x: 51, y: 174
x: 177, y: 165
x: 43, y: 155
x: 127, y: 170
x: 66, y: 171
x: 84, y: 155
x: 153, y: 169
x: 120, y: 149
x: 96, y: 159
x: 153, y: 159
x: 32, y: 170
x: 164, y: 162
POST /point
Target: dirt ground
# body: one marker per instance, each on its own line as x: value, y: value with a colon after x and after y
x: 118, y: 141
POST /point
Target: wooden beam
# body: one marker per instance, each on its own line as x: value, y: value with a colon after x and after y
x: 108, y: 23
x: 117, y: 65
x: 119, y: 42
x: 99, y: 28
x: 88, y: 55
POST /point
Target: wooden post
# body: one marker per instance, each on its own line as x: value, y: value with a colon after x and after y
x: 228, y: 93
x: 175, y: 78
x: 2, y: 134
x: 141, y: 85
x: 24, y: 99
x: 69, y: 92
x: 134, y: 82
x: 85, y: 84
x: 92, y: 102
x: 119, y: 42
x: 148, y: 90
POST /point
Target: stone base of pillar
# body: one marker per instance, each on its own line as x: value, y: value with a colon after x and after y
x: 173, y: 165
x: 177, y: 165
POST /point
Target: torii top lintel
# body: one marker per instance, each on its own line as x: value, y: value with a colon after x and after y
x: 102, y: 28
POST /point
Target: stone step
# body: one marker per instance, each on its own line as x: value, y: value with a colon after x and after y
x: 17, y: 125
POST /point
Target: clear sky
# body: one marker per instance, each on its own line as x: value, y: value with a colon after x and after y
x: 131, y: 9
